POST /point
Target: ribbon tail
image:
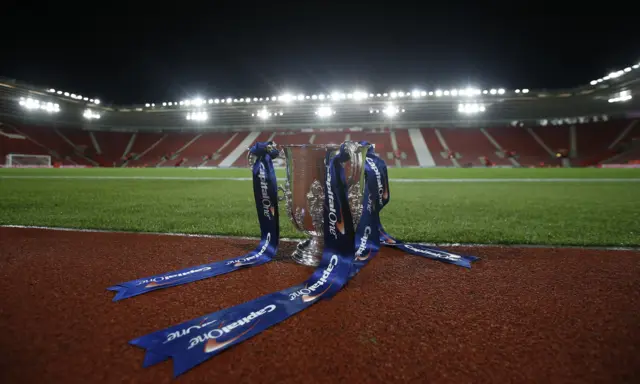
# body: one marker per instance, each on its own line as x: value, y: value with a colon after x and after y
x: 438, y: 254
x: 152, y: 358
x: 120, y: 291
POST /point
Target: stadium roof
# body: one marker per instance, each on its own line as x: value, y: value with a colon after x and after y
x: 605, y: 95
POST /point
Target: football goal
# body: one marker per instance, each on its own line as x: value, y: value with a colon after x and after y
x: 19, y: 160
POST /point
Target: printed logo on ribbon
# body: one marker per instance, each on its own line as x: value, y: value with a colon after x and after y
x: 210, y: 337
x: 307, y: 294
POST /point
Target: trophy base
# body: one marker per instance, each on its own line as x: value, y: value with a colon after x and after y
x: 308, y: 252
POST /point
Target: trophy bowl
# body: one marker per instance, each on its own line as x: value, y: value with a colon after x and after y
x: 304, y: 192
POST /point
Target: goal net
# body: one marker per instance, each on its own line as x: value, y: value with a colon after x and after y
x: 18, y: 160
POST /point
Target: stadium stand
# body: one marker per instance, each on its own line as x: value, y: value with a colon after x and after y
x: 203, y: 149
x: 406, y: 150
x: 471, y: 145
x: 164, y: 150
x: 12, y: 142
x: 438, y: 148
x: 587, y: 144
x: 111, y: 147
x: 142, y: 144
x: 519, y: 140
x: 53, y: 140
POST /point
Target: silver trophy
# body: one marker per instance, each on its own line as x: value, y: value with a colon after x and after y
x: 304, y: 192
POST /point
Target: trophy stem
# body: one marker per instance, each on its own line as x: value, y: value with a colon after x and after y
x: 309, y: 251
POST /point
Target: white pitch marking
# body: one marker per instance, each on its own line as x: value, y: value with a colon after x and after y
x: 476, y: 180
x: 284, y: 239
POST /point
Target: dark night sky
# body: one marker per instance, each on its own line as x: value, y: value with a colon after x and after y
x: 158, y: 51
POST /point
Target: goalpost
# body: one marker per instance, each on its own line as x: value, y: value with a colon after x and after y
x: 19, y: 160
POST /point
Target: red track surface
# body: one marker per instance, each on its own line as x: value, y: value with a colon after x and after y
x: 520, y: 315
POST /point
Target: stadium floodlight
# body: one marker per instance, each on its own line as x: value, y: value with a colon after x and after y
x: 324, y: 112
x: 501, y: 91
x: 622, y: 96
x: 36, y: 105
x: 471, y: 108
x: 438, y: 93
x: 198, y: 116
x: 90, y: 115
x: 19, y: 160
x: 615, y: 74
x: 285, y: 98
x: 525, y: 90
x: 337, y: 96
x: 391, y: 111
x: 416, y: 93
x: 263, y: 114
x: 636, y: 66
x: 96, y: 101
x: 359, y: 95
x: 473, y: 92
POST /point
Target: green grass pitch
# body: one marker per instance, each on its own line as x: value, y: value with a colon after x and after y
x: 564, y: 212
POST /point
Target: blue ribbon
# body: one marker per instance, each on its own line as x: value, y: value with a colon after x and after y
x: 376, y: 168
x: 266, y: 198
x: 197, y: 340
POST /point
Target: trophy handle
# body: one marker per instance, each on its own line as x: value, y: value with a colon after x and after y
x: 357, y: 162
x: 355, y: 178
x: 251, y: 158
x: 284, y: 193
